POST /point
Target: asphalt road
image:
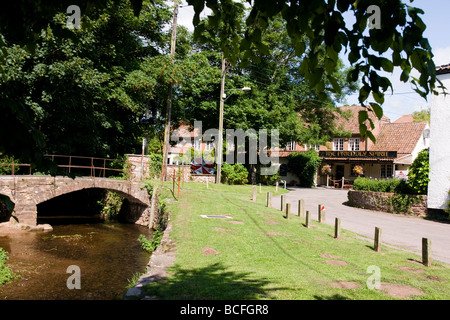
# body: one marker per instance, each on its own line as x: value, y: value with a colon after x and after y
x: 400, y: 231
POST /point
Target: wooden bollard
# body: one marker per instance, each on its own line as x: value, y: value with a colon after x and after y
x: 269, y: 199
x: 426, y: 252
x: 337, y: 228
x: 377, y: 241
x: 308, y: 219
x: 288, y: 210
x: 283, y: 203
x: 321, y: 214
x: 301, y: 208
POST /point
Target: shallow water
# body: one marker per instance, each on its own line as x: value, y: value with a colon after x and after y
x: 108, y: 254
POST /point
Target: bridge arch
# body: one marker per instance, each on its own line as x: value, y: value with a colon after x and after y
x: 29, y: 191
x: 5, y: 212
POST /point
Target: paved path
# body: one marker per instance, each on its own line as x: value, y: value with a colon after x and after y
x: 398, y: 230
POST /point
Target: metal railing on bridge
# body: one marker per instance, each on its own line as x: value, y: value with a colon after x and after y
x: 73, y: 165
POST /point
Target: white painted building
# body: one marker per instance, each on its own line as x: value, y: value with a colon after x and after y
x: 439, y: 184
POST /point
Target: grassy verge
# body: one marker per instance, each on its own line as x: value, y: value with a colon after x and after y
x: 258, y: 254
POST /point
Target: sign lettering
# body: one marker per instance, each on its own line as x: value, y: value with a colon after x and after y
x: 358, y: 154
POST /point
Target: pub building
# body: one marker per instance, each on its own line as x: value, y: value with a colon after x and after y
x: 397, y: 145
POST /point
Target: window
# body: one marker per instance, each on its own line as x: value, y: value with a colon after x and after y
x: 290, y: 146
x: 312, y: 146
x: 209, y: 146
x: 197, y: 144
x: 386, y: 171
x: 338, y: 144
x: 353, y: 144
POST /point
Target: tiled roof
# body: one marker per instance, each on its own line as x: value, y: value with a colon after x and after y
x: 405, y: 118
x: 352, y: 124
x: 400, y: 137
x: 443, y: 69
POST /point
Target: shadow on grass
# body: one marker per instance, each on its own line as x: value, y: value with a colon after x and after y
x: 332, y: 297
x: 213, y: 282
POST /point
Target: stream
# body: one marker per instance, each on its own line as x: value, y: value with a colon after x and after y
x: 106, y: 253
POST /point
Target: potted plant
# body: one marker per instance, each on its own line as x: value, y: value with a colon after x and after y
x: 326, y: 169
x: 358, y: 170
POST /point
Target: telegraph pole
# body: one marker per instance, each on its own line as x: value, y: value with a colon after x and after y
x: 220, y: 140
x: 169, y: 100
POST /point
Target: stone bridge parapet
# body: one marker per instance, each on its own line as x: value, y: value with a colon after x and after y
x: 28, y: 191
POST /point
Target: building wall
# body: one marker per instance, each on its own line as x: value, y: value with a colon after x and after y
x: 439, y: 184
x: 423, y: 143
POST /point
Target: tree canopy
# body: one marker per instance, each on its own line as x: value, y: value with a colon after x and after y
x: 99, y: 89
x: 397, y: 43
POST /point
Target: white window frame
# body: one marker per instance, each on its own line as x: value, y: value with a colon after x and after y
x: 209, y: 145
x: 197, y: 144
x: 312, y: 146
x: 290, y: 146
x: 338, y: 144
x: 354, y: 144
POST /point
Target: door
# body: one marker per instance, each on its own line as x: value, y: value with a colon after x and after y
x: 339, y: 174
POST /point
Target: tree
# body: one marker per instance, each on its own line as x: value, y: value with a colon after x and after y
x: 322, y: 24
x: 279, y: 97
x: 422, y: 115
x: 76, y: 90
x: 304, y: 165
x: 418, y: 173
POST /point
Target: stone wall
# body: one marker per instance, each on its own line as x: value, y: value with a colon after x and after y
x: 174, y: 169
x: 203, y: 178
x: 382, y: 201
x: 138, y: 166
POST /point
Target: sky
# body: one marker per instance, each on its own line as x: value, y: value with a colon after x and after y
x: 404, y: 100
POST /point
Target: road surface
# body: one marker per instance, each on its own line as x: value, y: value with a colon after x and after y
x: 401, y: 231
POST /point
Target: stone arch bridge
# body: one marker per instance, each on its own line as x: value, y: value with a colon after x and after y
x: 28, y: 191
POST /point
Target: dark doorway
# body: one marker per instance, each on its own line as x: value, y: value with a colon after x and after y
x: 339, y: 173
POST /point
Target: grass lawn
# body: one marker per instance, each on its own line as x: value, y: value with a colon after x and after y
x: 258, y: 254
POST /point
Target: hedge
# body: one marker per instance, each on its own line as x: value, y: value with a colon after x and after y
x: 382, y: 185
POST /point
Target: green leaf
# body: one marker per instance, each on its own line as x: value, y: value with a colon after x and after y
x: 387, y: 65
x: 370, y: 135
x: 362, y: 116
x: 377, y: 109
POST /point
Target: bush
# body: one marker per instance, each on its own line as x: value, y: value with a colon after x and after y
x: 304, y: 165
x: 6, y: 168
x: 153, y: 243
x: 6, y: 274
x: 154, y: 165
x: 418, y: 173
x: 234, y: 174
x: 268, y: 180
x: 401, y: 203
x: 111, y: 205
x: 383, y: 185
x: 447, y: 210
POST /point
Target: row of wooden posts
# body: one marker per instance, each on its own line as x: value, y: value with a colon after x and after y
x: 286, y: 207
